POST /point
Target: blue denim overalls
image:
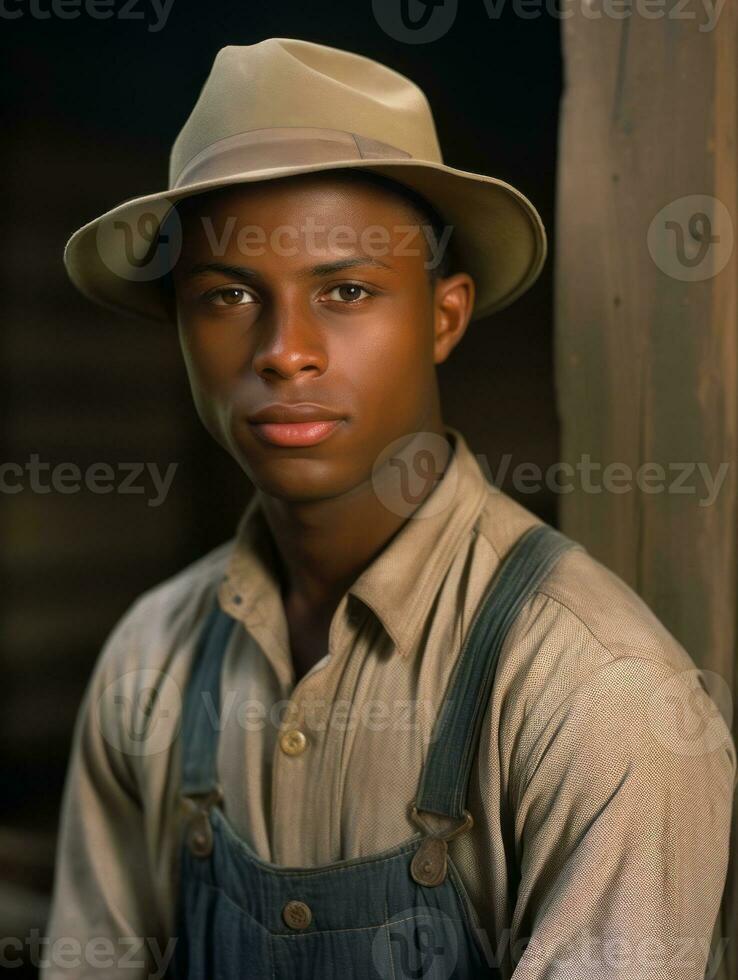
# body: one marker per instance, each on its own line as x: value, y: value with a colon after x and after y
x: 402, y: 913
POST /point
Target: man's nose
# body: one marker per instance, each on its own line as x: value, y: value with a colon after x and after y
x: 289, y: 344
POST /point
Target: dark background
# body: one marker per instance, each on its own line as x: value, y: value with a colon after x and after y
x: 92, y: 108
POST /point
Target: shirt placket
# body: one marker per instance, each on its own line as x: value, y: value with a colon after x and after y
x: 306, y: 756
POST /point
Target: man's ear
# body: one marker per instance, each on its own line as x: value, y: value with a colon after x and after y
x: 453, y: 303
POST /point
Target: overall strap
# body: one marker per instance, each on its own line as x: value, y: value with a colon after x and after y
x: 201, y: 710
x: 445, y: 778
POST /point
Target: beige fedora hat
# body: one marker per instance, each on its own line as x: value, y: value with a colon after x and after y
x: 286, y: 106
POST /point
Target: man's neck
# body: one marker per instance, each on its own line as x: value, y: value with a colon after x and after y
x: 324, y: 545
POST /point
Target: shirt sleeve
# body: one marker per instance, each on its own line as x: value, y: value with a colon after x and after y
x: 622, y: 823
x: 104, y: 920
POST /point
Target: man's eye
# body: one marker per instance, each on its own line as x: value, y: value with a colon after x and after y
x: 348, y: 292
x: 230, y: 296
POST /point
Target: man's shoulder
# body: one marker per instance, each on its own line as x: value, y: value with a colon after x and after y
x: 583, y: 614
x: 587, y: 660
x: 186, y: 586
x: 589, y: 597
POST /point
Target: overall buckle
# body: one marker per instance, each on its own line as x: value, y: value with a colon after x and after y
x: 430, y: 863
x: 199, y: 833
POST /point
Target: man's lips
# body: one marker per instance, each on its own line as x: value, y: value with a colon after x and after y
x: 300, y: 424
x: 294, y: 433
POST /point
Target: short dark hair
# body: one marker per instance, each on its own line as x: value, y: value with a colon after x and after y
x: 424, y: 212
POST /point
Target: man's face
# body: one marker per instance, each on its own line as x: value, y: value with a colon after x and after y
x: 310, y: 347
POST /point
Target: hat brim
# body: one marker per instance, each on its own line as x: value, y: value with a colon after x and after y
x: 498, y: 236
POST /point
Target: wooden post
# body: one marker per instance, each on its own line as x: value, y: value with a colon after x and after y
x: 646, y: 319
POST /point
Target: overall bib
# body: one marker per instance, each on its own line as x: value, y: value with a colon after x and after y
x: 402, y: 913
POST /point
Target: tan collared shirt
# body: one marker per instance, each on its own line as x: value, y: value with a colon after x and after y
x: 601, y: 791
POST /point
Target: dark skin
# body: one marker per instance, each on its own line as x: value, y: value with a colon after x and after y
x: 359, y: 334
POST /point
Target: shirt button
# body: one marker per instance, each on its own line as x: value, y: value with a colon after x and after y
x: 297, y: 915
x: 293, y: 742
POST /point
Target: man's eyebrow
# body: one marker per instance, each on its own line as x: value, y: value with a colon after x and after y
x: 315, y: 271
x: 327, y: 268
x: 237, y: 271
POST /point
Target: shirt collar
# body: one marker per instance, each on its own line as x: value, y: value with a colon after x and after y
x: 399, y: 586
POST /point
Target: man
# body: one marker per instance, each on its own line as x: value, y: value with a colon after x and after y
x: 397, y: 727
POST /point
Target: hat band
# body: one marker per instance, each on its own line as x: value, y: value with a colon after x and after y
x: 282, y: 146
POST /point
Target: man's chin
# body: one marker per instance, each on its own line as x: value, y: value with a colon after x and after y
x: 298, y: 480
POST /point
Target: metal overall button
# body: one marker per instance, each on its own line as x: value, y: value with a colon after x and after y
x: 430, y: 862
x: 199, y: 833
x: 297, y: 915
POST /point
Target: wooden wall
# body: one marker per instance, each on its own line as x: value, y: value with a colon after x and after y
x: 645, y: 322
